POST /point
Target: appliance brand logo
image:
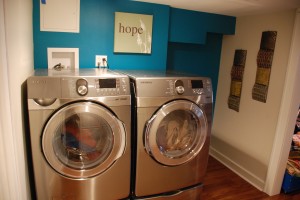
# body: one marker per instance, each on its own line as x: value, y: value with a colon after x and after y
x: 146, y: 82
x: 121, y: 99
x: 39, y: 82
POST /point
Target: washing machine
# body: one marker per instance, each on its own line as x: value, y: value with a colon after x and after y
x: 80, y: 134
x: 171, y: 134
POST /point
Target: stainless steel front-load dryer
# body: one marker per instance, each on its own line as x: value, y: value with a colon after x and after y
x: 80, y: 134
x: 172, y: 117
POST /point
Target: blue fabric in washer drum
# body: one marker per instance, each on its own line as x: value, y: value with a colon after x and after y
x: 69, y: 140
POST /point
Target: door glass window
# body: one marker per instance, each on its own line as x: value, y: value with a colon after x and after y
x: 83, y: 140
x: 177, y: 133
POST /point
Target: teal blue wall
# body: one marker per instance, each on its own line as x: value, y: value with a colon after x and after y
x: 182, y: 40
x: 198, y: 59
x: 96, y: 35
x: 195, y: 42
x: 192, y: 27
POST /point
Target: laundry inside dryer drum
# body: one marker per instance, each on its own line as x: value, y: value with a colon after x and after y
x: 83, y: 140
x: 177, y: 133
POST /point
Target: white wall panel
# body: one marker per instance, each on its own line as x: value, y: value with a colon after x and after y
x: 245, y: 138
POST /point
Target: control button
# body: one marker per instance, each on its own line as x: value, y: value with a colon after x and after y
x: 198, y: 91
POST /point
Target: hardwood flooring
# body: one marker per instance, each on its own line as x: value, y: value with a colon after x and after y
x: 222, y: 184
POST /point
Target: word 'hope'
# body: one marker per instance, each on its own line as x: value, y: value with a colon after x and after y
x: 132, y: 30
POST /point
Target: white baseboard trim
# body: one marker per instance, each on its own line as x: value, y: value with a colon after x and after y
x: 239, y: 170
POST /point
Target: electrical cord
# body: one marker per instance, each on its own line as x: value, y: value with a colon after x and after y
x: 105, y: 62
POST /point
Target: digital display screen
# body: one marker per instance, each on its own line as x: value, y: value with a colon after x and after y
x: 107, y: 83
x: 197, y: 84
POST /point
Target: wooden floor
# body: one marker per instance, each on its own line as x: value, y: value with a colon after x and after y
x: 222, y: 183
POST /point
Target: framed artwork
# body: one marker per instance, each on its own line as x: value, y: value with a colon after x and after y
x: 133, y: 33
x: 237, y: 73
x: 264, y: 63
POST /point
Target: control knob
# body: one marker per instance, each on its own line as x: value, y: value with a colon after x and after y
x: 82, y: 87
x: 179, y: 87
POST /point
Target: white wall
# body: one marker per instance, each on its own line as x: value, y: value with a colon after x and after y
x: 16, y: 64
x: 243, y: 140
x: 287, y: 116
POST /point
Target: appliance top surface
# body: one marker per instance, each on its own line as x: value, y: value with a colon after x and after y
x: 80, y: 83
x: 157, y: 74
x: 170, y: 84
x: 84, y: 72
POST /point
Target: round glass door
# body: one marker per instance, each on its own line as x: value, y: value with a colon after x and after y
x: 82, y: 140
x: 176, y: 133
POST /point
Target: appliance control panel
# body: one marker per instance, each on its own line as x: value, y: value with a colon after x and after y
x: 196, y: 87
x: 94, y: 86
x: 111, y: 86
x: 174, y: 87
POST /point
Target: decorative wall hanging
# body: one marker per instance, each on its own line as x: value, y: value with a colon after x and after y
x: 133, y: 33
x: 264, y: 63
x: 237, y: 73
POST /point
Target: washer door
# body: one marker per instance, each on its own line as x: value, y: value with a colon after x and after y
x: 176, y: 133
x: 82, y: 140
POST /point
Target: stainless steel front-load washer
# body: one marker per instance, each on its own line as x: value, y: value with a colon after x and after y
x: 80, y: 134
x: 172, y: 116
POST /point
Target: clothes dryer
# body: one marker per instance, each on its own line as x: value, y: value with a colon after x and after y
x: 80, y: 134
x: 172, y: 127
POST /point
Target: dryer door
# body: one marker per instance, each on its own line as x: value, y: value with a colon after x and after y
x: 82, y: 140
x: 176, y: 133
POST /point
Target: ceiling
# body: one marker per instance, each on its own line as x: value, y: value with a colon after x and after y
x: 231, y: 7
